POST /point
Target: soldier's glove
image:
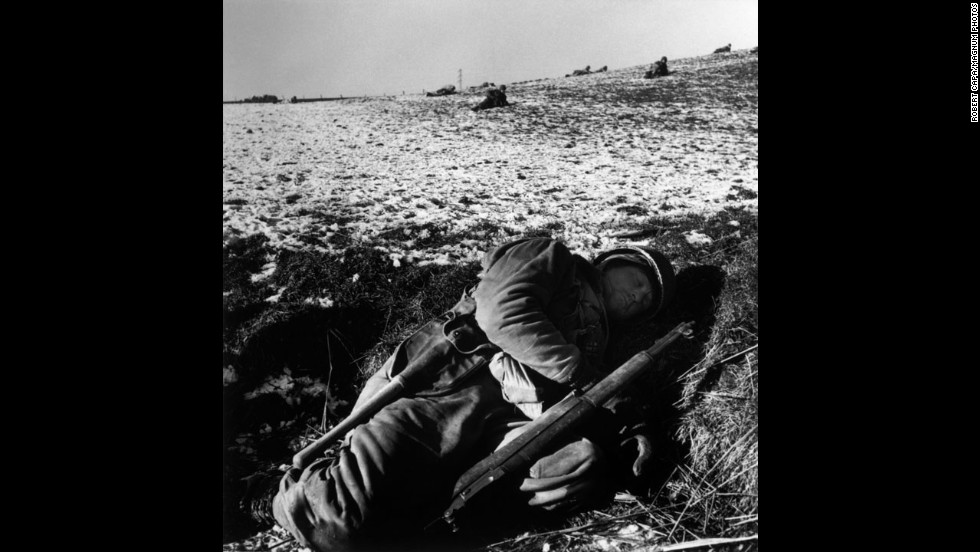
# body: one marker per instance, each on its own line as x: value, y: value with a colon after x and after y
x: 571, y: 476
x: 640, y: 445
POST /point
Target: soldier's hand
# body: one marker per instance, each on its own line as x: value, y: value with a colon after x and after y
x: 640, y: 445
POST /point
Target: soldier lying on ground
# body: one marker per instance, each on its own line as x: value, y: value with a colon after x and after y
x: 480, y: 87
x: 659, y: 69
x: 444, y: 91
x: 579, y: 72
x: 724, y: 49
x: 495, y: 98
x: 536, y: 326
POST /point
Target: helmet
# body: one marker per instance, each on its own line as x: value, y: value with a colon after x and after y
x: 656, y: 265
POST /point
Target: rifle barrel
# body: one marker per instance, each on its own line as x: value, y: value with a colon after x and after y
x: 612, y: 384
x: 382, y: 398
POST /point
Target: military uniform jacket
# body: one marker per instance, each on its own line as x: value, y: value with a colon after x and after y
x: 540, y: 304
x: 536, y: 301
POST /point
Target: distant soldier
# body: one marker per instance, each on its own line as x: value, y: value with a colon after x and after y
x: 579, y: 72
x: 444, y: 91
x: 755, y: 50
x: 601, y: 69
x: 480, y: 87
x: 724, y: 49
x: 495, y: 98
x: 659, y: 69
x: 292, y: 100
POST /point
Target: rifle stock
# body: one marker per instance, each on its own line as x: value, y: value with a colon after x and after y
x: 556, y: 421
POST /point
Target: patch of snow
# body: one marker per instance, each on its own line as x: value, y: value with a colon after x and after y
x: 697, y: 239
x: 275, y: 298
x: 323, y: 302
x: 629, y: 529
x: 267, y: 270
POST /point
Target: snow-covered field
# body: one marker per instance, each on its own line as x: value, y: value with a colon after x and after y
x: 590, y: 157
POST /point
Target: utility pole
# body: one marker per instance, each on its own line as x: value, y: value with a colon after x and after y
x: 460, y: 79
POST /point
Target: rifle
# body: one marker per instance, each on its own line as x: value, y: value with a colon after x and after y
x: 555, y: 422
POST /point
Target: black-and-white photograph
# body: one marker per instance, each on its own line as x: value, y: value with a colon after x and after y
x: 490, y: 275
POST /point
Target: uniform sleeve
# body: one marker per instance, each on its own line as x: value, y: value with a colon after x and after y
x: 520, y: 282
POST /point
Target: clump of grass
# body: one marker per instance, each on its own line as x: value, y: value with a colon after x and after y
x: 741, y: 192
x: 633, y: 210
x: 427, y: 235
x: 323, y: 216
x: 721, y: 399
x: 242, y: 257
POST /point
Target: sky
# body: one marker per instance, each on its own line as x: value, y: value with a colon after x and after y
x: 330, y: 48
